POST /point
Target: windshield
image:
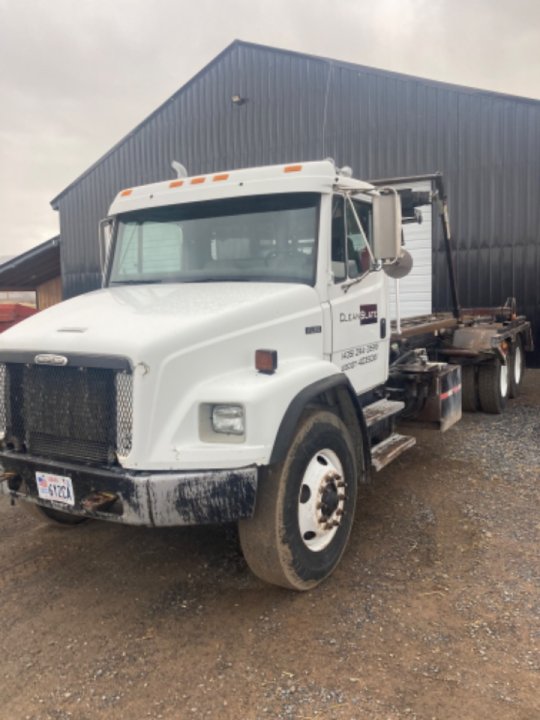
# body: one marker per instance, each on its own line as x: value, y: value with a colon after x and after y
x: 261, y: 238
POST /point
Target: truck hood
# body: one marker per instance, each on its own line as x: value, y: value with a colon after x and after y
x: 134, y: 321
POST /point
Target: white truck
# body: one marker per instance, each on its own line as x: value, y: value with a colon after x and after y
x: 239, y: 365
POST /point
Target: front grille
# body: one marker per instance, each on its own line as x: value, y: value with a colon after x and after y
x: 79, y: 413
x: 124, y: 412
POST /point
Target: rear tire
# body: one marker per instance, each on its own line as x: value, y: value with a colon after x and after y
x: 305, y: 506
x: 53, y: 517
x: 493, y: 386
x: 516, y: 369
x: 469, y: 392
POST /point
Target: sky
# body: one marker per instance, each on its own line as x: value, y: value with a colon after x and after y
x: 78, y: 75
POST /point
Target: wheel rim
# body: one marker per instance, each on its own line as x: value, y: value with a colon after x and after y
x: 321, y: 500
x: 518, y: 365
x: 503, y: 381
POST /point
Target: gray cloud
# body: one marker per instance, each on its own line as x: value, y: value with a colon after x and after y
x: 77, y: 75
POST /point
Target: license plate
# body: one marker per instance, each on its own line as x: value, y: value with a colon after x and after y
x: 55, y: 487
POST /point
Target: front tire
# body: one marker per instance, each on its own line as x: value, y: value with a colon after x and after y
x: 305, y: 506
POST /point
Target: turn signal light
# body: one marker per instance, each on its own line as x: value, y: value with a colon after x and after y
x: 266, y: 361
x: 125, y: 193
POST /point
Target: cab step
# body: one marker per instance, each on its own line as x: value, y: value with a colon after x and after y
x: 381, y: 410
x: 388, y: 450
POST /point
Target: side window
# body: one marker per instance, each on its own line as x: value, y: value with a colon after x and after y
x: 351, y: 238
x: 365, y: 214
x: 358, y: 217
x: 339, y: 254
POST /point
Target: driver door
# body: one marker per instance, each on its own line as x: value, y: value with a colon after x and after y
x: 358, y: 297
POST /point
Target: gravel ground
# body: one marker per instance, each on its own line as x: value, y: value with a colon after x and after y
x: 433, y: 614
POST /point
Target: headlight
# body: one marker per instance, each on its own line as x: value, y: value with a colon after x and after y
x: 228, y: 419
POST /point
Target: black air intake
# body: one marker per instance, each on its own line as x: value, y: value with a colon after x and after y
x: 76, y: 413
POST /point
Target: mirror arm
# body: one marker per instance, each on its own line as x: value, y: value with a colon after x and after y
x: 104, y: 247
x: 370, y: 251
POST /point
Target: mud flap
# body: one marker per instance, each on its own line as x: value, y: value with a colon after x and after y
x: 443, y: 403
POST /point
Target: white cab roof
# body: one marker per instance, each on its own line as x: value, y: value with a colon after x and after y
x: 321, y: 177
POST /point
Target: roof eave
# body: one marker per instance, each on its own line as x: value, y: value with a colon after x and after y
x: 267, y: 48
x: 54, y: 202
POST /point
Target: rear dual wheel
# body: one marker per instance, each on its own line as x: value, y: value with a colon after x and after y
x: 493, y: 386
x: 516, y: 369
x: 305, y: 507
x: 488, y: 386
x: 469, y: 389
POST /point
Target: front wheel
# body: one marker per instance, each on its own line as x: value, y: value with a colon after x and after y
x: 305, y: 507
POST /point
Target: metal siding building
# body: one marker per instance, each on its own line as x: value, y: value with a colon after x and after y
x: 383, y: 124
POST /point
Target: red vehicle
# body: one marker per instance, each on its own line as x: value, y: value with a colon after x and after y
x: 12, y: 313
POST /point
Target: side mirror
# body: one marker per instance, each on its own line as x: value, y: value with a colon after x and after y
x: 386, y: 225
x: 106, y: 227
x: 401, y: 267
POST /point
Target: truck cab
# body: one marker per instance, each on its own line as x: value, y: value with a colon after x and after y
x: 231, y: 369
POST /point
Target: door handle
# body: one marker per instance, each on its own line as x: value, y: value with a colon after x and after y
x: 382, y: 328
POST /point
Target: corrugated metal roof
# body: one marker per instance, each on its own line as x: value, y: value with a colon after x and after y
x: 32, y: 268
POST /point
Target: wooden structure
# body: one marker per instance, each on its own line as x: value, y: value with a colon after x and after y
x: 37, y: 270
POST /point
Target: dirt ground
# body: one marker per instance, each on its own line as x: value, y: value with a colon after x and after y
x: 434, y: 612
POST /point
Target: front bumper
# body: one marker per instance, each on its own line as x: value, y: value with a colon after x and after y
x: 138, y: 498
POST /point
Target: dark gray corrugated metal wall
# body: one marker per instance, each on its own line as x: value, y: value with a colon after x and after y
x: 383, y: 124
